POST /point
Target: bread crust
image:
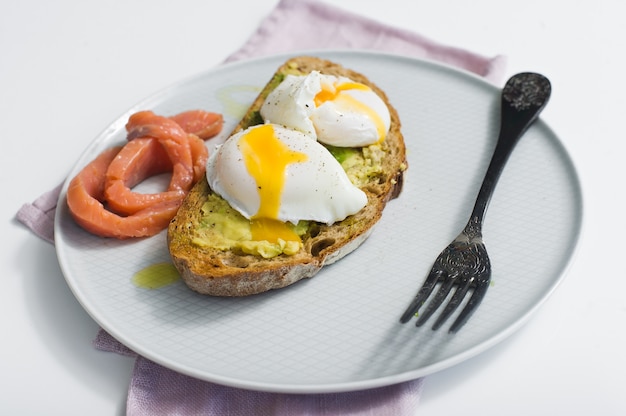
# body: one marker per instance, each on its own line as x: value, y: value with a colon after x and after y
x: 228, y: 273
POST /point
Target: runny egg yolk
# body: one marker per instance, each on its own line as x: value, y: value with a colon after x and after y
x: 266, y: 158
x: 349, y: 101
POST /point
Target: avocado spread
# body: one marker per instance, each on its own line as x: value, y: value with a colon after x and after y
x: 224, y: 228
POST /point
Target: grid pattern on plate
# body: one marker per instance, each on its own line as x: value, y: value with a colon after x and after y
x: 340, y: 329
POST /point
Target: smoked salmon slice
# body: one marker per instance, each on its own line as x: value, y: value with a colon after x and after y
x: 173, y: 138
x: 200, y: 155
x: 101, y: 197
x: 139, y: 159
x: 203, y: 124
x: 85, y: 195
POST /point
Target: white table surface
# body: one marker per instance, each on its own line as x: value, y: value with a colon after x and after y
x: 68, y: 68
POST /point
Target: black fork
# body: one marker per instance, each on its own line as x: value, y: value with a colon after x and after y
x: 464, y: 263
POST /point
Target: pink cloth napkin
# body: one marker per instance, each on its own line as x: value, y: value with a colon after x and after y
x: 288, y: 28
x: 157, y: 390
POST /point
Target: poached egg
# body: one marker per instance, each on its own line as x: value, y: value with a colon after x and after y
x: 275, y: 175
x: 333, y: 110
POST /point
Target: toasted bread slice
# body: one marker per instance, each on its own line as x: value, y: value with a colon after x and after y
x: 233, y: 273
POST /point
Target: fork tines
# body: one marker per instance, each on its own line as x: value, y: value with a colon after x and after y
x: 464, y: 285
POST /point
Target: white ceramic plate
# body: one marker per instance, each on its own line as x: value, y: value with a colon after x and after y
x: 340, y: 331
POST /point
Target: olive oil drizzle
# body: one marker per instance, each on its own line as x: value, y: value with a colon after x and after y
x: 156, y: 276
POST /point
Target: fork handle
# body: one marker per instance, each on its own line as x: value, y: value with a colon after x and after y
x: 523, y: 97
